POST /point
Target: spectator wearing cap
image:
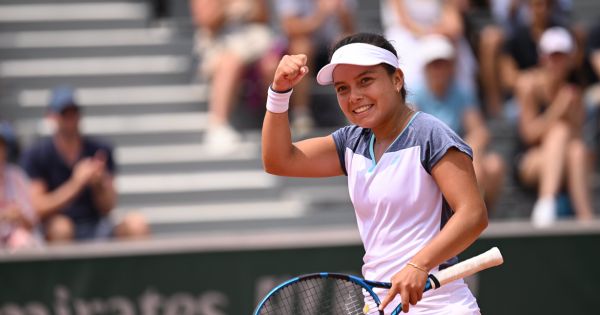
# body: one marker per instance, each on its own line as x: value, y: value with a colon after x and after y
x: 71, y: 176
x: 508, y: 46
x: 592, y: 94
x: 17, y: 216
x: 441, y: 96
x: 520, y: 51
x: 552, y: 151
x: 405, y: 22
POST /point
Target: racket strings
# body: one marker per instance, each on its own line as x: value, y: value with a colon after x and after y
x: 323, y: 296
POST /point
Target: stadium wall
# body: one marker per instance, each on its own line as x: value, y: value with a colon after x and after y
x: 545, y: 271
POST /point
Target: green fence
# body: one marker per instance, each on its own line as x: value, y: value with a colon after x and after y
x: 552, y: 272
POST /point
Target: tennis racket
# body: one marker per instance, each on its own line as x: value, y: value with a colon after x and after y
x: 341, y: 294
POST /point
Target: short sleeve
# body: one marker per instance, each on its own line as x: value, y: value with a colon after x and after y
x: 340, y: 137
x: 32, y: 163
x: 439, y: 140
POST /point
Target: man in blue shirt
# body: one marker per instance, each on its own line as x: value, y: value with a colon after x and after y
x: 442, y: 97
x: 72, y: 175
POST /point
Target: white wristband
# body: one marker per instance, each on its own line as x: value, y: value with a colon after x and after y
x: 278, y: 102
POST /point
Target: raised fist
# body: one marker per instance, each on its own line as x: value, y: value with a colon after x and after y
x: 291, y: 69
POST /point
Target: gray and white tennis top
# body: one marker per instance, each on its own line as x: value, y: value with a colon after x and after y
x: 399, y: 207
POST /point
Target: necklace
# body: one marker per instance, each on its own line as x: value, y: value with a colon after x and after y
x: 404, y: 123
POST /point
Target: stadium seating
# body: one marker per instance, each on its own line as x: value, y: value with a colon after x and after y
x: 137, y: 86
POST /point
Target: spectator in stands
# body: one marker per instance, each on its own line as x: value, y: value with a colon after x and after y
x: 311, y: 27
x: 12, y: 145
x: 592, y: 94
x: 550, y: 126
x: 232, y: 35
x: 594, y: 50
x: 444, y: 98
x: 405, y: 21
x: 17, y: 217
x: 72, y: 187
x: 508, y: 49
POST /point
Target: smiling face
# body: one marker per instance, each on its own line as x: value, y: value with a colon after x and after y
x: 368, y: 95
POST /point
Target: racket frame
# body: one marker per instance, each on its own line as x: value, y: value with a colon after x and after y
x: 368, y: 285
x: 483, y: 261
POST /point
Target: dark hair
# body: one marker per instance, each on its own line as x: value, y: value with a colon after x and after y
x: 375, y: 40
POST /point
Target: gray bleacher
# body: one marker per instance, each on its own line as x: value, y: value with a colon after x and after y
x: 136, y: 85
x: 135, y: 80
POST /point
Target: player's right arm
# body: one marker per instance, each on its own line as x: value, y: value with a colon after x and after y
x: 315, y: 157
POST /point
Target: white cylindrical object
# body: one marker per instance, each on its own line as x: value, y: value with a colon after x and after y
x: 489, y: 259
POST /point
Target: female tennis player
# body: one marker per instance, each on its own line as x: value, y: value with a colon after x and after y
x: 410, y: 177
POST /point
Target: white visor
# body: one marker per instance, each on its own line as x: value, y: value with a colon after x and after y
x: 359, y: 54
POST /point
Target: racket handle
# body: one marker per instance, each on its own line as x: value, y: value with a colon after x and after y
x: 428, y: 287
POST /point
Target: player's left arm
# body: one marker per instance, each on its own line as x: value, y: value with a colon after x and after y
x: 455, y: 176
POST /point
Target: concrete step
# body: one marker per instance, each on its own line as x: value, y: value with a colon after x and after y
x: 87, y: 38
x: 142, y: 190
x: 93, y: 66
x: 196, y: 166
x: 72, y: 15
x: 145, y: 129
x: 128, y: 109
x: 313, y: 218
x: 173, y: 78
x: 72, y: 11
x: 136, y: 200
x: 219, y: 211
x: 174, y: 47
x: 120, y: 96
x: 89, y: 43
x: 74, y: 25
x: 166, y: 158
x: 128, y: 100
x: 128, y: 124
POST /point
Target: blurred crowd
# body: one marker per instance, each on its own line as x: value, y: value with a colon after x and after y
x: 62, y: 188
x: 522, y: 62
